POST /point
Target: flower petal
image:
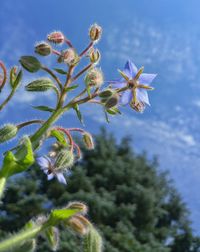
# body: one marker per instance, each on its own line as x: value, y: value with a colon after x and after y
x: 126, y: 97
x: 146, y: 79
x: 43, y: 162
x: 130, y: 69
x: 118, y: 83
x: 142, y: 96
x: 61, y: 178
x: 50, y: 176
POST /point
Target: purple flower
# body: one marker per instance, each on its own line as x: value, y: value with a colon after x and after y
x: 47, y: 165
x: 137, y: 84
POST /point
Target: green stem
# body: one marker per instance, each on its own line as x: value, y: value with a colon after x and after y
x: 21, y: 125
x: 7, y: 99
x: 2, y: 186
x: 22, y: 236
x: 39, y: 133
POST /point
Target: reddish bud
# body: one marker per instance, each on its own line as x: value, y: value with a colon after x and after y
x: 56, y: 37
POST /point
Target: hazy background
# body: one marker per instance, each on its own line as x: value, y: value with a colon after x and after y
x: 162, y: 35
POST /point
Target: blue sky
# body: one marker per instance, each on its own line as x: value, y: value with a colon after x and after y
x: 162, y: 35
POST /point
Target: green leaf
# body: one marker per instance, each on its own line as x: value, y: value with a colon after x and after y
x: 43, y: 108
x: 78, y: 113
x: 40, y: 85
x: 15, y: 164
x: 58, y: 215
x: 30, y: 63
x: 60, y: 71
x: 59, y: 136
x: 71, y: 88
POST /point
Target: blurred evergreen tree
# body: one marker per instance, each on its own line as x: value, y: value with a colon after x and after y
x: 135, y: 207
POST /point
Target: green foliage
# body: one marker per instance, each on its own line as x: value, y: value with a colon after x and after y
x: 134, y: 206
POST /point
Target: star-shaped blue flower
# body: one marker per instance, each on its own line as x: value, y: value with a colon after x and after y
x: 138, y: 83
x: 47, y: 165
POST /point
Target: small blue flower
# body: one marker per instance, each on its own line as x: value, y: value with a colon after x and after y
x: 138, y: 83
x: 47, y: 165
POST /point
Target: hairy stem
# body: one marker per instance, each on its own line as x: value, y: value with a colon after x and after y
x: 53, y: 76
x: 24, y: 124
x: 22, y: 236
x: 4, y: 75
x: 86, y: 49
x: 7, y: 99
x: 2, y: 185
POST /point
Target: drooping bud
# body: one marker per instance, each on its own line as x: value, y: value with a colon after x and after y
x: 94, y: 55
x: 43, y: 48
x: 64, y: 160
x: 30, y: 63
x: 68, y: 56
x: 112, y: 101
x: 78, y: 205
x: 8, y: 132
x: 40, y: 85
x: 94, y: 77
x: 95, y: 32
x: 92, y: 241
x: 78, y: 224
x: 88, y: 141
x: 56, y: 37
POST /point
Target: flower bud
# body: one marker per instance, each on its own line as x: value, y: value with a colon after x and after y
x: 52, y: 235
x: 8, y: 132
x: 94, y: 77
x: 95, y: 32
x: 43, y: 49
x: 88, y: 141
x: 64, y: 160
x: 40, y: 85
x: 68, y: 56
x: 92, y: 240
x: 56, y: 37
x: 30, y: 63
x: 94, y: 55
x: 106, y: 93
x: 112, y: 101
x: 78, y: 225
x: 78, y: 205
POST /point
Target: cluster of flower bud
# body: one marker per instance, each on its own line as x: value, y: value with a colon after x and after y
x: 68, y: 56
x: 94, y: 78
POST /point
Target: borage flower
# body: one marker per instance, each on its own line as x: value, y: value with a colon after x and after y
x: 47, y: 165
x: 137, y: 84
